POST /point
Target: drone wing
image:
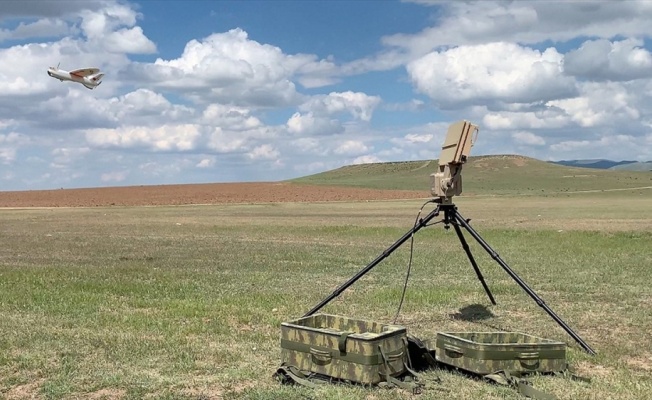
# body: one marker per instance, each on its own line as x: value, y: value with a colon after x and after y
x: 80, y: 73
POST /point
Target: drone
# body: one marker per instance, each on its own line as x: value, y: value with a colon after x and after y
x: 89, y: 77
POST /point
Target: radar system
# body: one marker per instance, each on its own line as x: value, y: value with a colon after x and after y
x: 446, y: 183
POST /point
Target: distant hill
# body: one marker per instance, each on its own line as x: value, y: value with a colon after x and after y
x: 637, y: 166
x: 599, y: 164
x: 498, y: 174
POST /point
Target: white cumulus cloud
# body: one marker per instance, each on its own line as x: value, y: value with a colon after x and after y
x: 360, y: 105
x: 231, y: 117
x: 351, y: 147
x: 527, y: 22
x: 129, y: 40
x: 605, y: 60
x: 601, y: 104
x: 44, y: 27
x: 310, y: 125
x: 610, y: 147
x: 223, y: 141
x: 491, y: 72
x: 113, y: 29
x: 206, y: 163
x: 230, y: 67
x: 548, y: 117
x: 164, y: 138
x: 263, y: 152
x: 418, y: 138
x: 528, y: 138
x: 366, y: 159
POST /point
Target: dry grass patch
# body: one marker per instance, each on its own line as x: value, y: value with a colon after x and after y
x: 25, y: 391
x: 106, y: 394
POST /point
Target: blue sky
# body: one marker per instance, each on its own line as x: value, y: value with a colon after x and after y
x: 218, y: 91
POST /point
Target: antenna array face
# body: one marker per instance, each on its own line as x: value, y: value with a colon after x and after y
x: 447, y: 182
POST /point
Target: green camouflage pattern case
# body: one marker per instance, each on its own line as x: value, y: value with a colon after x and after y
x: 488, y: 352
x: 344, y: 348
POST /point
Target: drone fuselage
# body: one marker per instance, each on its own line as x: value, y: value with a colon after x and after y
x: 89, y: 81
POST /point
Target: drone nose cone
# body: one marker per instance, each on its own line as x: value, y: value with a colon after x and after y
x: 49, y: 73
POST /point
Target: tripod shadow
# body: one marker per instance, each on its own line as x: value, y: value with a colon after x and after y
x: 472, y: 313
x: 476, y: 313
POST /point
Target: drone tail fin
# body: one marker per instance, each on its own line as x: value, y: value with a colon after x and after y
x: 93, y: 80
x: 97, y: 78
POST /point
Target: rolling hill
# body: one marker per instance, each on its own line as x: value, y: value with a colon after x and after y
x: 598, y: 163
x: 497, y: 174
x: 636, y: 166
x: 608, y: 164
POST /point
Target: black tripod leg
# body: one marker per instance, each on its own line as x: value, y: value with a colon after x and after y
x: 422, y: 222
x: 521, y: 283
x: 467, y: 250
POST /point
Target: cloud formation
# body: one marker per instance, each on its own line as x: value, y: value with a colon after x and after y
x: 528, y: 23
x: 562, y: 80
x: 491, y: 72
x: 602, y: 60
x: 230, y: 66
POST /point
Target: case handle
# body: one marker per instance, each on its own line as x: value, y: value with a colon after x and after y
x: 321, y: 355
x: 341, y: 342
x: 529, y: 360
x: 457, y: 351
x: 394, y: 357
x: 528, y: 356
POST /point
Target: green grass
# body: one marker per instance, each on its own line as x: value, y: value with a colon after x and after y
x: 483, y: 175
x: 186, y: 302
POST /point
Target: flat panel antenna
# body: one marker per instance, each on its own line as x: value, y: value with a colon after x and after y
x: 458, y: 143
x: 447, y: 182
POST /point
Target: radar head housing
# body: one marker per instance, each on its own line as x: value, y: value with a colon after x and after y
x: 447, y: 182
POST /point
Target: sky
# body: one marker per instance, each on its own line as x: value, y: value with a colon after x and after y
x: 226, y: 91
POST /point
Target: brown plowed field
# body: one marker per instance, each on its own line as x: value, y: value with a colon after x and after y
x: 214, y: 193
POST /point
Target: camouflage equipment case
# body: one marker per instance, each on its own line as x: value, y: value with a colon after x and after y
x: 487, y: 352
x: 343, y: 348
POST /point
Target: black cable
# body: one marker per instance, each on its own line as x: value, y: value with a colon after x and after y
x: 407, y: 275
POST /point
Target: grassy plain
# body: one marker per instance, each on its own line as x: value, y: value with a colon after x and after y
x: 186, y: 302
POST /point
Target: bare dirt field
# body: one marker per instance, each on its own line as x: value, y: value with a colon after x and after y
x: 213, y: 193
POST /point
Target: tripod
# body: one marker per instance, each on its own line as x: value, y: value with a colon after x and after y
x: 454, y: 218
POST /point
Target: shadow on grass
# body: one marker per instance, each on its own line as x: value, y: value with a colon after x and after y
x: 472, y: 313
